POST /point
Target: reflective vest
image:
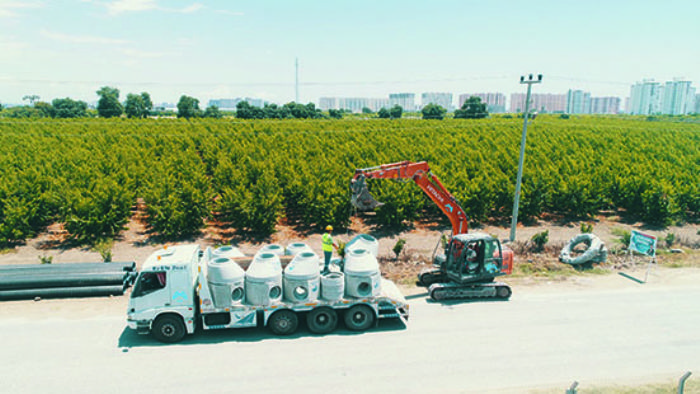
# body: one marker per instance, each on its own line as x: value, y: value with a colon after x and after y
x: 327, y: 242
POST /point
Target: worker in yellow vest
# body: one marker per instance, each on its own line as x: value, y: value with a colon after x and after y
x: 328, y: 246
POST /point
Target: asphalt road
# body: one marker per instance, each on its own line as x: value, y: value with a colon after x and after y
x: 632, y: 334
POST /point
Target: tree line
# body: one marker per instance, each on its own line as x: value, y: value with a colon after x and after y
x: 141, y: 106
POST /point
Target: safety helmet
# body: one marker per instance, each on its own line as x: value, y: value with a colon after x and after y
x: 329, y: 228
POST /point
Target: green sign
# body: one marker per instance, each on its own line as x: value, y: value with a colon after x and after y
x: 643, y: 243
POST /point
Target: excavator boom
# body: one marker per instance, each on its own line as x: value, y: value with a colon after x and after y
x: 420, y: 173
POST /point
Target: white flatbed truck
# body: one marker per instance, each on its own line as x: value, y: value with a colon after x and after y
x: 171, y: 297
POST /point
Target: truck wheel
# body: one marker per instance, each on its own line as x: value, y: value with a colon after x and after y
x: 169, y: 329
x: 359, y: 318
x: 284, y: 322
x: 322, y: 320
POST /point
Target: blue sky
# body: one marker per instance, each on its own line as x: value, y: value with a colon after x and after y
x: 228, y: 49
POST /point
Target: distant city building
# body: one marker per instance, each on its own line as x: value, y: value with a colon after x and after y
x: 375, y: 104
x: 697, y: 103
x: 578, y: 102
x: 645, y: 98
x: 495, y: 102
x: 442, y: 99
x: 354, y: 104
x: 605, y: 105
x: 678, y: 98
x: 539, y: 102
x: 326, y: 103
x: 230, y: 104
x: 407, y: 101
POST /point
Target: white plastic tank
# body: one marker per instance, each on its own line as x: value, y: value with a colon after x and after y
x: 302, y: 279
x: 229, y: 251
x: 332, y: 286
x: 297, y: 247
x: 272, y: 248
x: 362, y: 277
x: 226, y: 281
x: 263, y: 280
x: 363, y: 241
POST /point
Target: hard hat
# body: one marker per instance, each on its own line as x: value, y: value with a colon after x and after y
x: 329, y: 228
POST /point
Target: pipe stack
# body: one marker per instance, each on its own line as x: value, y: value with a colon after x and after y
x: 28, y: 281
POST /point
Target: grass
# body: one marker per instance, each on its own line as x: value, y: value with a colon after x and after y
x: 688, y: 259
x: 7, y: 250
x: 692, y: 386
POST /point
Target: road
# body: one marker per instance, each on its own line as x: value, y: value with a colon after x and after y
x: 630, y: 334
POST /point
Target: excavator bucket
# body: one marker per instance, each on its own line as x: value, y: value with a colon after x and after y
x: 361, y: 198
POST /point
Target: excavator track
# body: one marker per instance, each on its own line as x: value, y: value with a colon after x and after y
x: 455, y: 291
x: 430, y: 276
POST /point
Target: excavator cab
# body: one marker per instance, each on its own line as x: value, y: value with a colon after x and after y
x: 473, y: 258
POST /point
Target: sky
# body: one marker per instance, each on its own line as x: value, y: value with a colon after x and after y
x: 359, y: 48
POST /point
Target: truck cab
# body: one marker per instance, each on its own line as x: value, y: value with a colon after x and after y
x: 163, y: 298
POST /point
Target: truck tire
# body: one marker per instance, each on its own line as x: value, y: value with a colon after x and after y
x: 284, y: 322
x: 322, y: 320
x: 359, y: 318
x: 169, y: 329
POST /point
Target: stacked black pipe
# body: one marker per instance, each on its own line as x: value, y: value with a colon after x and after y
x: 29, y: 281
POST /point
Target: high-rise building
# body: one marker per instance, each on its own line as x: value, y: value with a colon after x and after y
x: 224, y: 103
x: 645, y: 98
x: 697, y: 103
x: 495, y: 102
x: 375, y: 104
x: 354, y: 104
x: 442, y: 99
x: 326, y: 103
x: 578, y: 102
x: 605, y: 105
x: 230, y: 104
x: 407, y: 101
x: 538, y: 102
x: 678, y: 97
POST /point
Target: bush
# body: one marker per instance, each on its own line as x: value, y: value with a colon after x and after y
x: 586, y: 228
x: 398, y: 247
x: 670, y: 239
x: 624, y: 237
x: 97, y: 212
x: 104, y: 248
x: 538, y: 241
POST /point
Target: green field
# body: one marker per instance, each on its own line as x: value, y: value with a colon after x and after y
x: 88, y: 173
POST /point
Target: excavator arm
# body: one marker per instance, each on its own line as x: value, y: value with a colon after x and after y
x: 420, y: 173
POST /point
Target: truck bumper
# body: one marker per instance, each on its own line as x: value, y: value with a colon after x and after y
x: 141, y: 327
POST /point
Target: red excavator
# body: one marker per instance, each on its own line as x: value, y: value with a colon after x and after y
x: 469, y: 263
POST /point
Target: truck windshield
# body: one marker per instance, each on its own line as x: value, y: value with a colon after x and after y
x: 149, y: 282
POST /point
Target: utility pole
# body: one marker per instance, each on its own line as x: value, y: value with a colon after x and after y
x: 529, y: 81
x: 296, y: 79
